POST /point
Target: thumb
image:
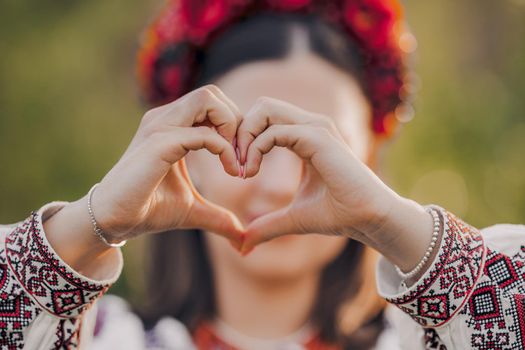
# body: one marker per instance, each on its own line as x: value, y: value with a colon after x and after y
x: 267, y: 227
x: 214, y: 218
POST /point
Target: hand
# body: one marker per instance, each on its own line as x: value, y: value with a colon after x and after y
x: 338, y: 194
x: 149, y: 189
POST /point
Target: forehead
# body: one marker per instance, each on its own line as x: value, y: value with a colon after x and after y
x: 309, y: 82
x: 303, y: 79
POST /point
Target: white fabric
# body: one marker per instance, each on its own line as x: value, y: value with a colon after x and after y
x: 123, y: 329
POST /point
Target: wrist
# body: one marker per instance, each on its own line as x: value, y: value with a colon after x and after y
x: 404, y: 233
x: 378, y: 218
x: 98, y: 231
x: 70, y: 234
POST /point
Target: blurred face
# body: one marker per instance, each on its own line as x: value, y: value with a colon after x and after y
x: 312, y: 84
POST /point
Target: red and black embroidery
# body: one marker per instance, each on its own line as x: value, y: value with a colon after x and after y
x: 52, y: 284
x: 450, y: 280
x: 432, y: 340
x: 16, y: 308
x: 496, y: 309
x: 33, y: 279
x: 67, y: 334
x: 483, y: 288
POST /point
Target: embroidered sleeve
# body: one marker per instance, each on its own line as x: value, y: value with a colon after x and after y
x: 42, y: 299
x: 473, y: 294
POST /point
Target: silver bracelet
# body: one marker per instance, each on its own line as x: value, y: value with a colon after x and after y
x: 435, y: 233
x: 97, y: 230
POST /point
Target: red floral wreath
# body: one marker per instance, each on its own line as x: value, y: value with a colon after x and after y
x: 166, y: 60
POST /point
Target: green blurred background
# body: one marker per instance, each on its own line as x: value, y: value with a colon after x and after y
x: 69, y: 105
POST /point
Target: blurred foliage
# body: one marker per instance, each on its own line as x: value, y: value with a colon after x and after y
x: 465, y: 149
x: 69, y: 104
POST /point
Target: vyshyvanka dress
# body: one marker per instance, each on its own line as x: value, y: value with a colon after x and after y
x: 472, y: 296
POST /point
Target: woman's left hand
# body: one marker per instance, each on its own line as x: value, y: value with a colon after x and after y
x: 338, y: 193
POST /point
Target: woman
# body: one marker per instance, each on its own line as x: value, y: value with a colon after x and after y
x: 295, y: 98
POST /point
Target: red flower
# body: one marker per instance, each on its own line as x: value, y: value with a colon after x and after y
x: 288, y: 5
x: 166, y: 63
x: 172, y: 80
x: 203, y: 16
x: 388, y: 85
x: 169, y: 27
x: 371, y: 20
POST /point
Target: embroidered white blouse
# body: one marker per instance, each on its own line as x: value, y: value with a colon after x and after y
x: 471, y: 297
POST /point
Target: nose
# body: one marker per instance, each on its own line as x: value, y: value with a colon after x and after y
x: 276, y: 182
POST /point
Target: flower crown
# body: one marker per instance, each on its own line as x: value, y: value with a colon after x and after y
x: 167, y: 65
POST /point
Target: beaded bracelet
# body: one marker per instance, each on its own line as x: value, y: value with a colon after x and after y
x: 435, y: 233
x: 97, y: 230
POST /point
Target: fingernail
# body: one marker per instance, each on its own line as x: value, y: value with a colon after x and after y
x: 239, y: 168
x: 238, y: 153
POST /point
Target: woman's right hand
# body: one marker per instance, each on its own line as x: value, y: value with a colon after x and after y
x: 149, y: 189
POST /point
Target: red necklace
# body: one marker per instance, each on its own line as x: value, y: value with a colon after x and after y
x: 205, y: 339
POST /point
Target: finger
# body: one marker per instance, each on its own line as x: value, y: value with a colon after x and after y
x: 214, y: 218
x: 300, y: 139
x: 267, y: 227
x: 206, y: 138
x: 171, y: 146
x: 220, y: 94
x: 187, y: 178
x: 151, y: 162
x: 222, y: 221
x: 269, y: 111
x: 217, y: 109
x: 234, y: 108
x: 184, y: 176
x: 199, y: 107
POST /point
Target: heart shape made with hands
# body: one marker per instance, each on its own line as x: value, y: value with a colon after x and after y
x: 337, y: 194
x: 232, y: 221
x: 277, y: 123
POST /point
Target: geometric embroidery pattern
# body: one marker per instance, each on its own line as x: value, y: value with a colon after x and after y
x: 33, y: 279
x: 450, y: 280
x: 496, y: 312
x: 67, y: 334
x: 432, y: 340
x: 16, y: 308
x: 484, y: 303
x: 482, y: 288
x: 500, y: 269
x: 48, y: 280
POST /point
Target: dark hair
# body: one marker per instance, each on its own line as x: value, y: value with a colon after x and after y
x: 348, y: 310
x: 268, y: 37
